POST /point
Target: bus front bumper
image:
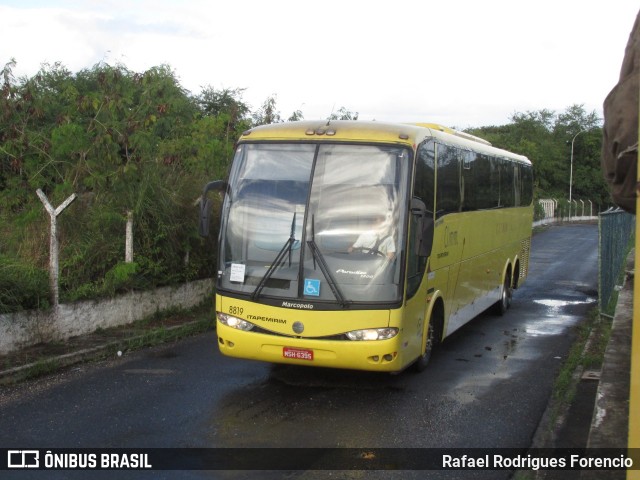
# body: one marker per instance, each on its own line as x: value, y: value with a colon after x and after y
x: 378, y: 355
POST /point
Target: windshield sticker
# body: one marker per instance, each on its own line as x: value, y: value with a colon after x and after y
x: 312, y: 287
x: 237, y: 272
x: 359, y: 273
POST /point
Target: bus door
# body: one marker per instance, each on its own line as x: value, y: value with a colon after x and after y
x: 421, y: 224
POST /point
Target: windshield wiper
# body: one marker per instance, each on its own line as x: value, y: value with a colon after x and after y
x: 319, y: 258
x: 286, y: 249
x: 335, y: 288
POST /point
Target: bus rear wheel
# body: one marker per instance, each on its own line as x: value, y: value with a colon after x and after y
x: 504, y: 303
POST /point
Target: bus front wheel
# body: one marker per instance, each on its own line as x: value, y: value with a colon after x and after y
x: 423, y: 360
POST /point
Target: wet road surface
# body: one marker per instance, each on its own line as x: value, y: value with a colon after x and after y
x: 487, y: 386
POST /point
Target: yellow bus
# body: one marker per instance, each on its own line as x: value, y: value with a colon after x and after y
x: 361, y: 245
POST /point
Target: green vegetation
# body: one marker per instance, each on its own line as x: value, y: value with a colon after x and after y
x: 546, y: 137
x: 138, y: 142
x: 41, y: 368
x: 22, y: 284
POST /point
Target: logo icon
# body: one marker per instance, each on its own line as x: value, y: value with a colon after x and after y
x: 23, y: 458
x: 312, y: 287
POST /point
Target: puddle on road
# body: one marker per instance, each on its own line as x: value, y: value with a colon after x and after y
x: 469, y: 389
x: 558, y: 304
x: 558, y: 316
x: 550, y: 325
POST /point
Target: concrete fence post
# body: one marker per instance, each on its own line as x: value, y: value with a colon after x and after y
x: 54, y: 266
x: 128, y: 255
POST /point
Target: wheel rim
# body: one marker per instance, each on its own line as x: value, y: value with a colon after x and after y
x: 429, y: 345
x: 506, y: 295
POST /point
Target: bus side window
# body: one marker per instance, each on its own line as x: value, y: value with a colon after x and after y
x: 471, y: 188
x: 485, y: 197
x: 507, y: 183
x: 494, y: 175
x: 517, y: 184
x: 421, y: 219
x: 422, y: 225
x: 448, y: 189
x: 527, y: 184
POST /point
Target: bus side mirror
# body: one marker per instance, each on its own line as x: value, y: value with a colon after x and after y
x: 423, y: 240
x: 206, y: 204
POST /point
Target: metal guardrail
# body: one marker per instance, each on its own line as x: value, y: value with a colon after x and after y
x: 551, y: 210
x: 616, y: 231
x: 616, y: 234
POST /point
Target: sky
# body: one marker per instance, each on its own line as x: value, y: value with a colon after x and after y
x: 460, y: 63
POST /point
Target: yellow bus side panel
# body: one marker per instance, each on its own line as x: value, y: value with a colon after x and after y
x: 477, y: 248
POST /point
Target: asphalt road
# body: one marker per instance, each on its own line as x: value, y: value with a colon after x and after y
x: 487, y: 386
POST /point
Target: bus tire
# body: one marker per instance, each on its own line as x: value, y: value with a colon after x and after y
x: 432, y: 340
x: 504, y: 303
x: 423, y: 360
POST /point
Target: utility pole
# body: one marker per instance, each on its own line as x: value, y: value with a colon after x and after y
x: 571, y: 170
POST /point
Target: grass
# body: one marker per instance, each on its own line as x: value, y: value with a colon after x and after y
x: 163, y: 334
x: 586, y: 353
x: 41, y: 367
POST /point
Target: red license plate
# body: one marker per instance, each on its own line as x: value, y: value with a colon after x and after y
x: 297, y: 353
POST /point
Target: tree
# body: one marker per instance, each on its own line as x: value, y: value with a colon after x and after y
x: 138, y: 141
x: 343, y: 114
x: 545, y: 138
x: 214, y: 102
x: 223, y: 117
x: 268, y: 113
x: 296, y: 116
x: 122, y: 141
x: 582, y: 130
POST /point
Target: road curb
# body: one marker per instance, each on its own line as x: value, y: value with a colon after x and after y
x: 57, y: 362
x: 545, y: 435
x: 608, y: 425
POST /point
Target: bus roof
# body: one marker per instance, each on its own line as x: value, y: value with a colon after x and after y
x: 376, y: 132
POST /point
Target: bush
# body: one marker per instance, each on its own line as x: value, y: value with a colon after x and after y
x: 123, y: 277
x: 120, y: 278
x: 22, y: 286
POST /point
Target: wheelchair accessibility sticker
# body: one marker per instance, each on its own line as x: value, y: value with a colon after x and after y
x: 312, y: 287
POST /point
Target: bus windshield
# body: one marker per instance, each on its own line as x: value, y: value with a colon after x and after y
x: 315, y: 223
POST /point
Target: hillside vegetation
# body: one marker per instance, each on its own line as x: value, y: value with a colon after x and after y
x: 136, y: 142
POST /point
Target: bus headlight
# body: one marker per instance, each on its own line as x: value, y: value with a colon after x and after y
x: 373, y: 334
x: 234, y: 322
